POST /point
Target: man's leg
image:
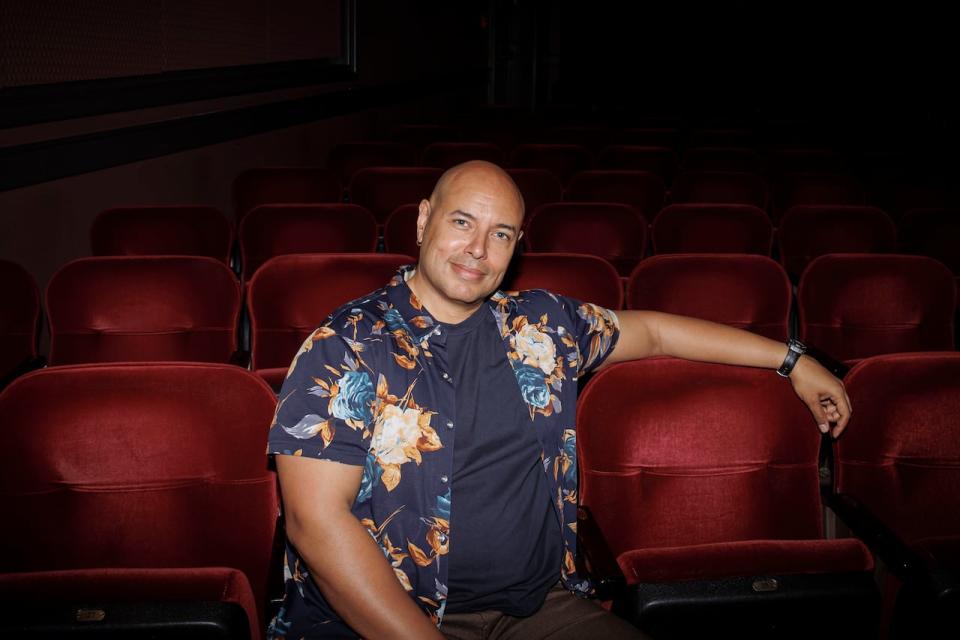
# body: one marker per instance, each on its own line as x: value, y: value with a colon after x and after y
x: 469, y: 626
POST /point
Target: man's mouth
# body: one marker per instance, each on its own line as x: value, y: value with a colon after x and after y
x: 468, y: 272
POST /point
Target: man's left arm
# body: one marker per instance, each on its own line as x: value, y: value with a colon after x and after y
x: 651, y: 333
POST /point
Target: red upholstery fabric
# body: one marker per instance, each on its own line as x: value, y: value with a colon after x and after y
x: 290, y: 296
x: 143, y: 308
x: 727, y: 187
x: 900, y: 455
x: 349, y: 157
x: 675, y: 453
x: 583, y: 277
x: 383, y: 189
x: 639, y: 189
x: 199, y: 584
x: 661, y: 161
x: 722, y: 159
x: 190, y: 230
x: 448, y: 154
x: 796, y: 189
x: 746, y: 291
x: 284, y: 185
x: 273, y: 230
x: 138, y: 465
x: 563, y: 160
x: 712, y: 228
x: 400, y: 231
x: 19, y: 316
x: 809, y: 231
x: 859, y: 305
x: 614, y: 232
x: 538, y: 186
x: 744, y: 557
x: 934, y: 233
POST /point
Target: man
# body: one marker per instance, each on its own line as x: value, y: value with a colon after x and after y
x: 417, y: 431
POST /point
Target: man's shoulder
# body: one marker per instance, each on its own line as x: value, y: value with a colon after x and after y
x: 366, y: 309
x: 528, y: 300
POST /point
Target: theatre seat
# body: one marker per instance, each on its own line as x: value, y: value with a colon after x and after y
x: 284, y: 185
x: 272, y: 230
x: 291, y: 295
x: 745, y: 291
x: 19, y: 321
x: 641, y: 190
x: 795, y: 189
x: 400, y: 231
x: 563, y: 160
x: 139, y: 466
x: 853, y: 306
x: 190, y: 230
x: 347, y: 158
x: 719, y: 187
x: 583, y: 277
x: 661, y: 161
x: 380, y: 190
x: 702, y: 482
x: 712, y: 228
x: 934, y: 233
x: 138, y: 308
x: 537, y: 186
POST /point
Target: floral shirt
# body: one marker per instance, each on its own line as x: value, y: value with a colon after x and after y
x: 371, y: 387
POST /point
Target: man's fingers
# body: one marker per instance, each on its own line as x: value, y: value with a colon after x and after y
x: 845, y: 410
x: 820, y: 415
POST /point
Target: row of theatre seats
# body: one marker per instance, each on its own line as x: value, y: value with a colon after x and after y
x: 127, y: 308
x: 143, y: 493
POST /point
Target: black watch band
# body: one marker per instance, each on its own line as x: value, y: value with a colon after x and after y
x: 795, y: 349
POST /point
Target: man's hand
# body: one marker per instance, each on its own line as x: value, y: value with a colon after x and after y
x: 823, y: 394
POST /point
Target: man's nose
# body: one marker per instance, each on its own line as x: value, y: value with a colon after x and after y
x: 477, y: 246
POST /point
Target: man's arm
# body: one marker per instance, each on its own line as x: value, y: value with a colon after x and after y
x: 651, y: 333
x: 344, y: 560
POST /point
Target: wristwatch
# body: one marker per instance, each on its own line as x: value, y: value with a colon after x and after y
x: 796, y: 349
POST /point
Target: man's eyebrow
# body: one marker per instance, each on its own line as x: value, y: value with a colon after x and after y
x: 501, y: 225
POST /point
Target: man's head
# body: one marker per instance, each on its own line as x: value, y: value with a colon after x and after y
x: 469, y: 229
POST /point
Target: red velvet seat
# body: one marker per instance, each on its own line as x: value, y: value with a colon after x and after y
x: 273, y: 230
x: 582, y: 277
x: 745, y: 291
x: 136, y: 308
x: 290, y: 296
x: 382, y: 189
x: 860, y: 305
x: 661, y: 161
x: 712, y: 228
x: 563, y: 160
x: 704, y: 479
x: 347, y: 158
x: 795, y: 189
x: 641, y: 190
x: 400, y: 231
x: 719, y: 187
x: 722, y: 159
x: 190, y: 230
x: 200, y: 603
x: 19, y: 319
x: 806, y: 232
x: 448, y: 154
x: 934, y: 233
x: 284, y: 185
x: 537, y: 186
x: 614, y: 232
x: 139, y: 465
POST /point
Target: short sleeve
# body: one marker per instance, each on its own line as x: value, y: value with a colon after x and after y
x: 596, y: 331
x: 324, y: 408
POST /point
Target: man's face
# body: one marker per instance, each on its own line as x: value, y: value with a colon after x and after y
x: 469, y: 235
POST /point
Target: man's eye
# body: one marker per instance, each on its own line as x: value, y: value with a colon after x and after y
x: 502, y: 236
x: 460, y: 222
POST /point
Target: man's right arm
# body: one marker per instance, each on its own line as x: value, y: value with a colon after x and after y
x: 344, y: 561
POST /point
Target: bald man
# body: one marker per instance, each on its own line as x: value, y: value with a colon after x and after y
x: 426, y: 445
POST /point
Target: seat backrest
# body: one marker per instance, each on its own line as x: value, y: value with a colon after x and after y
x: 284, y: 185
x: 712, y: 228
x: 726, y: 187
x: 277, y: 229
x: 722, y: 159
x: 189, y: 230
x: 382, y: 189
x: 934, y: 233
x: 859, y: 305
x: 400, y: 231
x: 661, y: 161
x: 291, y: 295
x: 674, y: 452
x: 136, y: 308
x: 563, y: 160
x: 641, y: 190
x: 537, y: 186
x: 900, y: 453
x: 19, y: 317
x: 794, y: 189
x: 615, y: 232
x: 138, y: 465
x: 448, y: 154
x: 583, y: 277
x: 745, y: 291
x: 347, y: 158
x: 809, y: 231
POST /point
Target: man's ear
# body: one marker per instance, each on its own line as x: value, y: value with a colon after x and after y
x: 422, y: 217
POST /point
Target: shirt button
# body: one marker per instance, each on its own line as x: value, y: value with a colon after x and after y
x: 445, y: 376
x: 444, y: 479
x: 449, y: 425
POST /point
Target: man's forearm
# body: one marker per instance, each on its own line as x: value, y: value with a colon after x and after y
x: 354, y: 576
x: 695, y: 339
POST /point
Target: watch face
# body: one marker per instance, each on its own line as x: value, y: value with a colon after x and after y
x: 798, y: 346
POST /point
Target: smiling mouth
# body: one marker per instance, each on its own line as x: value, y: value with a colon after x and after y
x: 467, y: 272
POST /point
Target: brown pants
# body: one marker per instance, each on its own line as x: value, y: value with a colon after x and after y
x: 563, y: 616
